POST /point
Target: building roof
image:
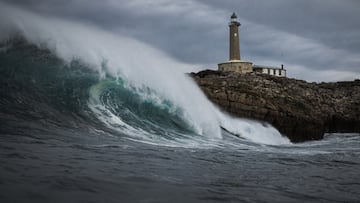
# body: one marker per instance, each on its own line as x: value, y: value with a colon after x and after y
x: 267, y: 67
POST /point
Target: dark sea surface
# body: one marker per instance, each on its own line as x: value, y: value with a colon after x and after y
x: 80, y: 166
x: 62, y: 140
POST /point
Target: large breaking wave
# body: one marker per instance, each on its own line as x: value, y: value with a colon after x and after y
x: 69, y: 74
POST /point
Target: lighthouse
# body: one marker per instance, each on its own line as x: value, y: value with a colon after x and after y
x: 235, y: 64
x: 234, y: 38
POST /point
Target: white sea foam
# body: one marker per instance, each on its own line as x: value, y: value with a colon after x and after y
x: 136, y: 62
x: 255, y: 131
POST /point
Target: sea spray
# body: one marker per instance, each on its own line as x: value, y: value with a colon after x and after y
x: 259, y: 132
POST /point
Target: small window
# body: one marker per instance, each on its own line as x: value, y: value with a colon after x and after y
x: 268, y: 70
x: 280, y: 71
x: 274, y: 72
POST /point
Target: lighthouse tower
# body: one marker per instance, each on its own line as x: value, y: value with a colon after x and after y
x: 234, y: 39
x: 235, y: 63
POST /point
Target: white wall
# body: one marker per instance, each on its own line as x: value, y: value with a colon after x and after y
x: 274, y: 72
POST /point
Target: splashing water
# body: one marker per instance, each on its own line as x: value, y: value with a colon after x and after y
x: 141, y: 66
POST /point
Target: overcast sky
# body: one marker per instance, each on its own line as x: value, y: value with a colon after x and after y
x: 316, y: 40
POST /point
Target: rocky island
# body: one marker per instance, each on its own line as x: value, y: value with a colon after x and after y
x: 298, y: 109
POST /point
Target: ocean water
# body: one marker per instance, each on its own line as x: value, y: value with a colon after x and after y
x: 86, y: 167
x: 84, y: 119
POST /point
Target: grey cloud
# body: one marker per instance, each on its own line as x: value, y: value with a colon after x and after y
x: 332, y: 22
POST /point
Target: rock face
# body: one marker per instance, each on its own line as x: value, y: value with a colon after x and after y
x: 298, y: 109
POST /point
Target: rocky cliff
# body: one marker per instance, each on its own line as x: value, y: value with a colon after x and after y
x: 298, y: 109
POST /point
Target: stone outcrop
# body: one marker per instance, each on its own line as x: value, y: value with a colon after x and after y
x: 298, y: 109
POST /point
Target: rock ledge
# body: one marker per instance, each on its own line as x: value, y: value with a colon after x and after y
x: 300, y: 110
